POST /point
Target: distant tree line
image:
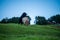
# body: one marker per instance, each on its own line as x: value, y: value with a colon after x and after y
x: 55, y: 19
x: 10, y: 20
x: 40, y: 20
x: 23, y: 19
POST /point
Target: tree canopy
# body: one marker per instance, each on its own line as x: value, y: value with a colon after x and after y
x: 40, y: 20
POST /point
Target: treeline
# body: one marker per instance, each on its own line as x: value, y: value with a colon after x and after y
x: 55, y: 19
x: 10, y: 20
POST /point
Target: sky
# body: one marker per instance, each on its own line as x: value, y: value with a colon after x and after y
x: 15, y: 8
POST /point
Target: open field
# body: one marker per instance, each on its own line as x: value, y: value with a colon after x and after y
x: 31, y: 32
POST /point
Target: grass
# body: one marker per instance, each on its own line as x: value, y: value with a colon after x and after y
x: 31, y: 32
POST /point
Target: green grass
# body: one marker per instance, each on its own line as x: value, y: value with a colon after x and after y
x: 31, y: 32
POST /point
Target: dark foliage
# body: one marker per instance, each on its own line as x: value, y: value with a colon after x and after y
x: 20, y: 19
x: 5, y: 20
x: 10, y: 20
x: 55, y: 19
x: 15, y: 19
x: 40, y: 20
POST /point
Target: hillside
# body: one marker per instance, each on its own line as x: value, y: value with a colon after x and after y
x: 31, y: 32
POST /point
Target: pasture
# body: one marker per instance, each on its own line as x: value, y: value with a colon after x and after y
x: 30, y: 32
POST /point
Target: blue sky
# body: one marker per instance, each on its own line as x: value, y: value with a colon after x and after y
x: 46, y: 8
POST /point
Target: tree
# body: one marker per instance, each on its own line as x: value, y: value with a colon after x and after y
x: 13, y: 20
x: 4, y: 20
x: 23, y: 15
x: 40, y: 20
x: 10, y: 20
x: 55, y: 18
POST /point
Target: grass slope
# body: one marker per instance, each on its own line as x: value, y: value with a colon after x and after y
x: 31, y: 32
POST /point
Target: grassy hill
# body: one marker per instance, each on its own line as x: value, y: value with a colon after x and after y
x: 31, y: 32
